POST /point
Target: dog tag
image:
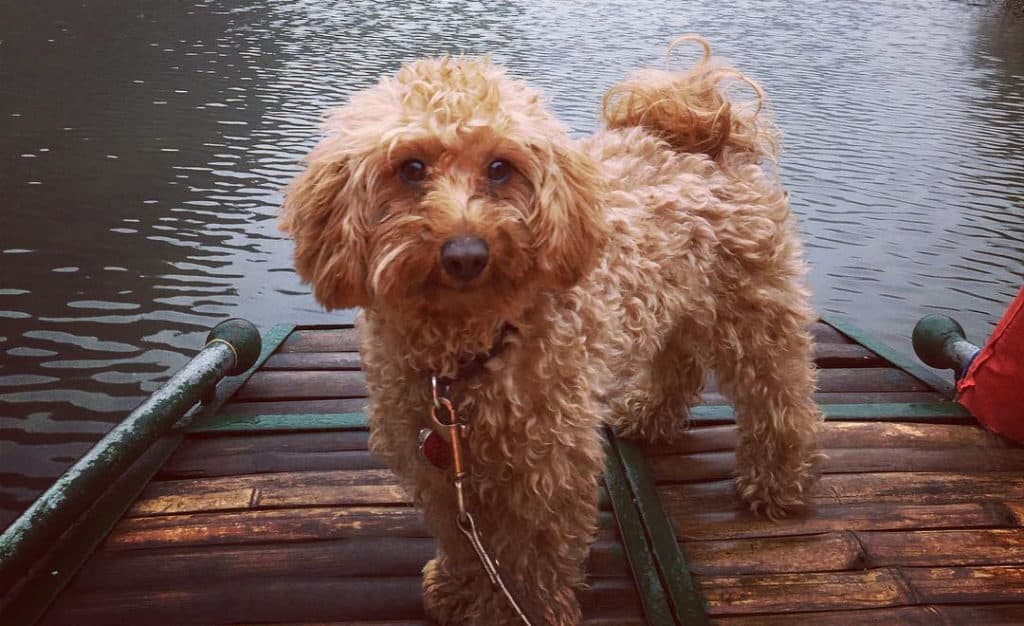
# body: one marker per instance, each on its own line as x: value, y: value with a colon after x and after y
x: 435, y: 449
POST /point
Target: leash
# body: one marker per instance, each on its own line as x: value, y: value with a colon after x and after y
x: 446, y: 426
x: 454, y: 431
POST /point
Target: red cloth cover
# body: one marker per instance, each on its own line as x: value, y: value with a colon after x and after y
x: 993, y: 389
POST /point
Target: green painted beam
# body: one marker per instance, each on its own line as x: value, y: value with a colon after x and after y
x: 940, y: 412
x: 653, y: 598
x: 903, y: 362
x: 226, y: 423
x: 688, y: 606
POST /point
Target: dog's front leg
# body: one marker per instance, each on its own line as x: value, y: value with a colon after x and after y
x: 537, y: 525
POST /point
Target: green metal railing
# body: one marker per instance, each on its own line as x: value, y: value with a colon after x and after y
x: 232, y: 348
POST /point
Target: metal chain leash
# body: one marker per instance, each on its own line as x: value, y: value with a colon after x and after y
x: 454, y: 431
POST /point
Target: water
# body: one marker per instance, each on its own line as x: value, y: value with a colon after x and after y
x: 143, y: 147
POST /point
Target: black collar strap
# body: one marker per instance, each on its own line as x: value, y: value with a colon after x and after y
x: 478, y: 363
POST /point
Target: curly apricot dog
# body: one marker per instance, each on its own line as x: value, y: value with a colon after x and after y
x: 553, y: 286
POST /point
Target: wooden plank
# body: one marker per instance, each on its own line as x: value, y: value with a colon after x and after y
x: 275, y: 600
x: 836, y: 551
x: 199, y: 447
x: 868, y: 379
x: 280, y: 525
x: 822, y: 333
x: 906, y: 435
x: 360, y: 556
x: 809, y: 591
x: 325, y: 361
x: 283, y: 525
x: 857, y: 380
x: 176, y: 567
x: 923, y: 548
x: 829, y: 355
x: 305, y: 385
x: 741, y: 523
x: 323, y: 340
x: 275, y: 490
x: 875, y: 487
x: 877, y: 397
x: 267, y: 462
x: 257, y: 601
x: 850, y: 435
x: 905, y: 615
x: 846, y: 550
x: 282, y: 489
x: 295, y: 407
x: 949, y: 585
x: 991, y: 614
x: 920, y: 615
x: 712, y: 466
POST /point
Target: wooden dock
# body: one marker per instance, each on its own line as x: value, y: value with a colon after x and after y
x: 271, y: 510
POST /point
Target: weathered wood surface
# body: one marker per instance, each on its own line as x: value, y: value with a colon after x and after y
x: 911, y: 523
x: 315, y: 384
x: 907, y: 523
x: 918, y: 615
x: 291, y: 599
x: 347, y: 339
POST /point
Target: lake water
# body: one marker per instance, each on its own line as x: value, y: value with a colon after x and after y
x: 143, y: 147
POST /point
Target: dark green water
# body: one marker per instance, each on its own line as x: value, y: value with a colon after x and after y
x: 143, y: 146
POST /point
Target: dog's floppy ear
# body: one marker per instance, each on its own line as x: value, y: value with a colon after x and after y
x: 567, y: 215
x: 321, y: 215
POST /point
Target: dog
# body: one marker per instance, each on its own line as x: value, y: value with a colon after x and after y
x: 531, y: 288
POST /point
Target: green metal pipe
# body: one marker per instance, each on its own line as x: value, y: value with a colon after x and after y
x: 232, y: 348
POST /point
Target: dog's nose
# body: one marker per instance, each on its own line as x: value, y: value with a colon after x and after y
x: 464, y: 257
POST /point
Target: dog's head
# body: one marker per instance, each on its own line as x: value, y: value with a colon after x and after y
x: 448, y: 187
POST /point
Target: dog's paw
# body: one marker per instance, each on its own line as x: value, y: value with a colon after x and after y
x: 443, y: 600
x: 776, y: 492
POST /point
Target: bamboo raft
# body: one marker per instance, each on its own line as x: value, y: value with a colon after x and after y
x: 268, y: 508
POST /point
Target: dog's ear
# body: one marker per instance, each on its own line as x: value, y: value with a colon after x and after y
x: 322, y: 215
x: 568, y: 215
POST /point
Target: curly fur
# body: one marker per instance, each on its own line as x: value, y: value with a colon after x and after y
x: 631, y: 263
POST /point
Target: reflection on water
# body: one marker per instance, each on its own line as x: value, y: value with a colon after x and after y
x: 143, y: 150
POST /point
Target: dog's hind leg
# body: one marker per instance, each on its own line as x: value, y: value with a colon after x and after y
x: 764, y: 365
x: 655, y: 405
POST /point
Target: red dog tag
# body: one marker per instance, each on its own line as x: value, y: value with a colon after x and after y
x: 435, y: 449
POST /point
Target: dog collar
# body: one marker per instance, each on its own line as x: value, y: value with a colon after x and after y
x: 432, y: 446
x: 478, y: 363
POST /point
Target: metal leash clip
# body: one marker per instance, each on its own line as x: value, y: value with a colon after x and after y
x: 454, y: 431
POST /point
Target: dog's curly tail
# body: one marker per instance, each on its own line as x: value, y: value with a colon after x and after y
x: 696, y: 111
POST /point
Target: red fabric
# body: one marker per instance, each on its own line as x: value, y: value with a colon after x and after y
x: 993, y: 389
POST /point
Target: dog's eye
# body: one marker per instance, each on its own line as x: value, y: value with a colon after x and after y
x: 499, y: 170
x: 412, y: 171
